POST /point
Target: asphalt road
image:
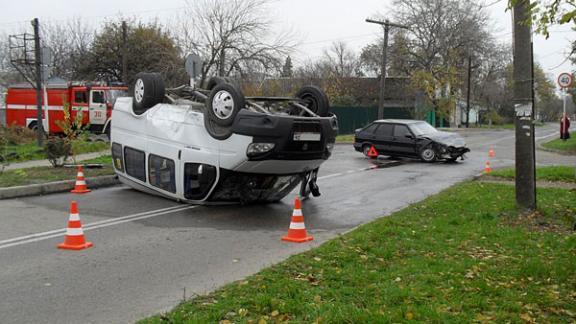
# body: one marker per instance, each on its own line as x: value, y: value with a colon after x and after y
x: 149, y: 253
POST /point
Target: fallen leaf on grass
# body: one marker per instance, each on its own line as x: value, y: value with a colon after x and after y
x: 409, y: 316
x: 527, y: 318
x: 242, y: 312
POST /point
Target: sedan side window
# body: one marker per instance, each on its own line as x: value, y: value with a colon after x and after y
x: 385, y: 130
x: 370, y: 129
x: 401, y: 131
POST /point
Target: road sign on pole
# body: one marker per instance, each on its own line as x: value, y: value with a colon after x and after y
x: 565, y: 80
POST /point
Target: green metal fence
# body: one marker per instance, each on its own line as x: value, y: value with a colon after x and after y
x: 351, y: 118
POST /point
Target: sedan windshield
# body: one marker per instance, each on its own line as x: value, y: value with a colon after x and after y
x: 422, y: 128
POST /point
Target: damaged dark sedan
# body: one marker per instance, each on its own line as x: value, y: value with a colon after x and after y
x: 409, y: 138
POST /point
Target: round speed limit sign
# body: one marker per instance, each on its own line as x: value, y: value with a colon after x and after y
x: 565, y: 80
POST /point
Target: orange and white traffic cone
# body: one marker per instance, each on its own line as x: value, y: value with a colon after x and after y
x: 491, y: 152
x: 80, y: 186
x: 297, y: 231
x: 487, y: 168
x: 74, y: 239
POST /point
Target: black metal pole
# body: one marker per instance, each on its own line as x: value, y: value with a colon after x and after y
x: 468, y: 92
x: 386, y: 24
x: 124, y: 53
x: 524, y: 107
x: 38, y: 65
x: 383, y: 72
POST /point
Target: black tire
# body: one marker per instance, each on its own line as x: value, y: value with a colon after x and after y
x: 428, y: 154
x: 314, y: 99
x: 365, y: 149
x: 108, y: 131
x: 233, y: 82
x: 148, y: 90
x: 33, y: 126
x: 214, y: 81
x: 224, y: 103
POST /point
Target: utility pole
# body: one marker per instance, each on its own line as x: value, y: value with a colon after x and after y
x: 524, y: 107
x: 124, y: 53
x: 38, y: 66
x: 386, y: 25
x: 468, y: 91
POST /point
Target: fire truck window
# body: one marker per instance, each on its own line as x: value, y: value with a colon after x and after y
x: 117, y: 157
x: 161, y: 173
x: 80, y: 97
x: 98, y: 97
x: 135, y: 162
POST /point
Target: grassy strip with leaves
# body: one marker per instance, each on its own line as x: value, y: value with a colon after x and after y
x: 463, y: 255
x: 567, y: 146
x: 548, y: 173
x: 22, y: 177
x: 30, y: 151
x: 348, y: 138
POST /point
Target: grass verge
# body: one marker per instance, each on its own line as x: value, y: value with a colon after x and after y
x: 463, y: 255
x: 568, y: 146
x: 30, y: 151
x: 346, y: 138
x: 549, y: 173
x: 21, y: 177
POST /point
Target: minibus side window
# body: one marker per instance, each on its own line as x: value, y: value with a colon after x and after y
x: 198, y: 179
x: 135, y: 163
x: 161, y: 173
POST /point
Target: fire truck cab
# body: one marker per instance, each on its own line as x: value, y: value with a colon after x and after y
x: 94, y: 101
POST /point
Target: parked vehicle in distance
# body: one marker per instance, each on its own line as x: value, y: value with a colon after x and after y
x: 214, y: 145
x: 409, y: 138
x: 94, y: 100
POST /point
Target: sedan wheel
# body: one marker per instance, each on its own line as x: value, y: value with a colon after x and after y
x: 365, y: 150
x: 428, y: 154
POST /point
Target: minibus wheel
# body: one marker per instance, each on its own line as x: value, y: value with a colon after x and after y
x: 224, y: 103
x: 148, y: 90
x: 314, y: 99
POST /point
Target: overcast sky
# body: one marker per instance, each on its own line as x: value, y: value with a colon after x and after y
x: 317, y: 22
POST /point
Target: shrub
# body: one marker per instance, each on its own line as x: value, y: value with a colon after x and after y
x: 16, y: 135
x: 57, y: 150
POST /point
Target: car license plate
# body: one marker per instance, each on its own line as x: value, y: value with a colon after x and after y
x: 305, y: 136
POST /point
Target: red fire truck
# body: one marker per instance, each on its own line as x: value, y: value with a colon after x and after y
x: 94, y: 100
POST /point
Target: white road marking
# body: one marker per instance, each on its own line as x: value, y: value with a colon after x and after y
x: 330, y: 176
x: 21, y: 240
x: 110, y: 222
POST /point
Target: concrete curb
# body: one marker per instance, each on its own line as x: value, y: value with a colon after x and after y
x: 54, y: 187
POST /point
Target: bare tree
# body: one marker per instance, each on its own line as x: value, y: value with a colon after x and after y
x: 342, y: 61
x: 442, y: 36
x: 69, y: 43
x: 400, y: 63
x: 233, y: 37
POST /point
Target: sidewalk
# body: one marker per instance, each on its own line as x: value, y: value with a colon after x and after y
x: 40, y: 163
